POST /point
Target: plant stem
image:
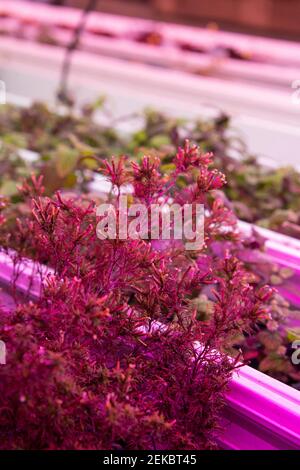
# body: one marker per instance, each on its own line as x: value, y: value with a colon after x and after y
x: 62, y: 93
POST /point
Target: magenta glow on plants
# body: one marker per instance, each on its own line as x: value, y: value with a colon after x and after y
x: 86, y: 366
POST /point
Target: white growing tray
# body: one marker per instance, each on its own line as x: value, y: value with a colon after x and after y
x: 277, y: 63
x: 266, y: 119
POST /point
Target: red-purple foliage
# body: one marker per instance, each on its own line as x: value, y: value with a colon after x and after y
x: 112, y: 356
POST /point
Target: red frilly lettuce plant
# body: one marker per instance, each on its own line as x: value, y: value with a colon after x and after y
x: 112, y: 355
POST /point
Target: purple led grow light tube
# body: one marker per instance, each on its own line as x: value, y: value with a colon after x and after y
x: 267, y: 50
x: 279, y: 246
x: 284, y: 251
x: 25, y: 274
x: 260, y: 412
